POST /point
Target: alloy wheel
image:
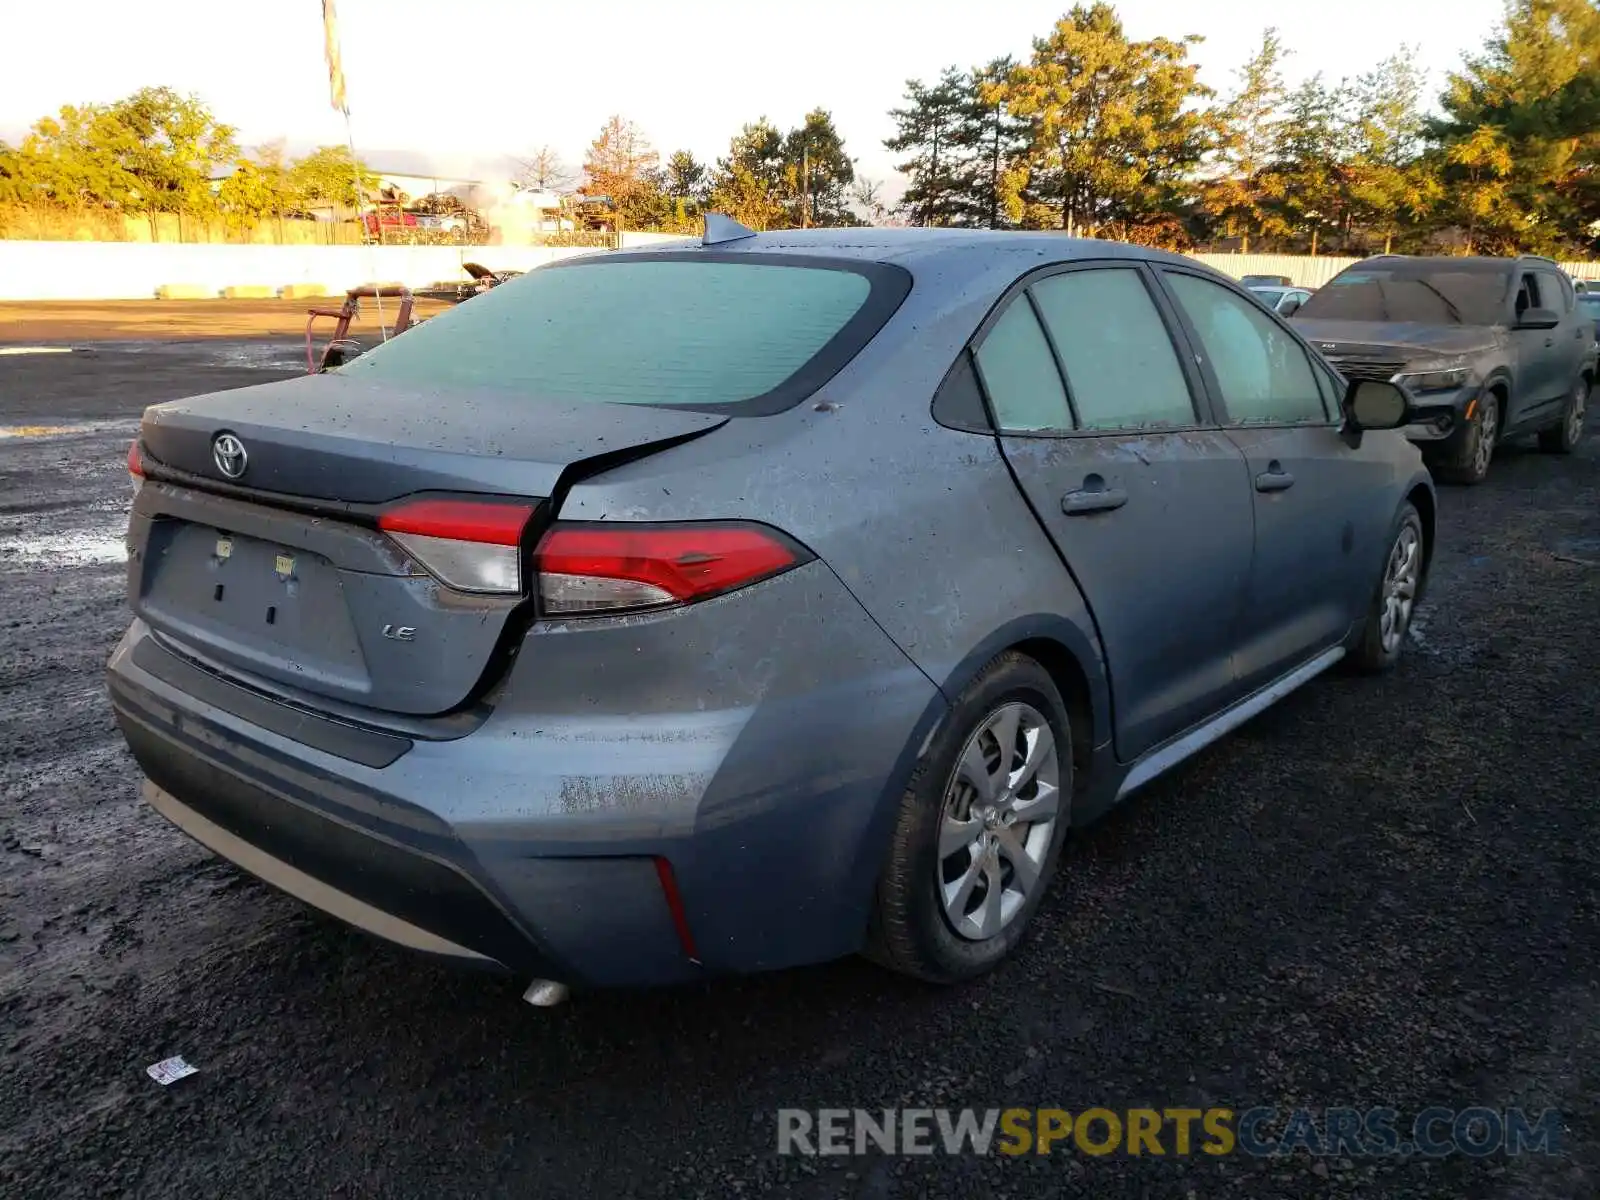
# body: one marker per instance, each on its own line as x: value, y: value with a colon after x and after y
x: 1488, y: 431
x: 1580, y: 402
x: 997, y: 821
x: 1400, y: 578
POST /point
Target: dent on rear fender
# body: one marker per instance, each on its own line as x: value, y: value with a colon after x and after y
x: 614, y: 734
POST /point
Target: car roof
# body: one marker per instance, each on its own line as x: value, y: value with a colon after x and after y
x: 907, y: 247
x: 1460, y: 265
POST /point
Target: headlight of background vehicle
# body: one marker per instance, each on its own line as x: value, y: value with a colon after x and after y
x: 1436, y: 375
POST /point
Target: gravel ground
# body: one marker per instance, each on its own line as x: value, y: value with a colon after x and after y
x: 1377, y: 894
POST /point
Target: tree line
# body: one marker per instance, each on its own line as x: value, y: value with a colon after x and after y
x: 1099, y: 134
x: 158, y: 152
x: 769, y: 178
x: 1093, y: 133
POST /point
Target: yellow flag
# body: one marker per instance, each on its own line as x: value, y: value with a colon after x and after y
x: 330, y: 33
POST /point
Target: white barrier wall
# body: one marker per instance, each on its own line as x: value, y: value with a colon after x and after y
x: 134, y: 270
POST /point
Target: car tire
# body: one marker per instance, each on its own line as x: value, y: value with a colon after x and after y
x: 1472, y: 449
x: 1564, y: 437
x: 1382, y: 638
x: 921, y: 924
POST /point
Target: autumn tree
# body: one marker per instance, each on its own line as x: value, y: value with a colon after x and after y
x: 928, y: 133
x: 544, y: 171
x: 13, y: 188
x: 258, y: 188
x: 1113, y: 136
x: 328, y: 175
x: 1307, y: 170
x: 1520, y: 133
x: 1390, y: 186
x: 1241, y: 192
x: 169, y: 145
x: 623, y: 166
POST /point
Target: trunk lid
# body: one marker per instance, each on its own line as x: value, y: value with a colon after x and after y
x: 275, y: 570
x: 347, y: 441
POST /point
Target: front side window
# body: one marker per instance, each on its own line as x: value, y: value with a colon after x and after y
x: 1263, y: 373
x: 1019, y: 374
x: 656, y: 330
x: 1122, y: 370
x: 1557, y: 292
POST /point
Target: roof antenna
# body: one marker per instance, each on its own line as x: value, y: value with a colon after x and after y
x: 721, y: 229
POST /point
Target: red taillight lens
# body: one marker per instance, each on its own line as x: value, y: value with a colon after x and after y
x: 135, y: 463
x: 468, y: 545
x: 597, y: 569
x: 487, y: 523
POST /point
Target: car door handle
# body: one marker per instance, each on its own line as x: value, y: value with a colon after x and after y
x: 1274, y: 479
x: 1094, y: 496
x: 1548, y: 342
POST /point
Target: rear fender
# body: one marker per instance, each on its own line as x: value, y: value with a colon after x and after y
x: 1048, y: 628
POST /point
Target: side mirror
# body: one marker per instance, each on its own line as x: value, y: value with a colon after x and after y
x: 1290, y: 307
x: 1371, y: 404
x: 1539, y: 318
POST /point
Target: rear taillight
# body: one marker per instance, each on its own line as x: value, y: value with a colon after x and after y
x: 135, y: 464
x: 468, y: 545
x: 584, y: 569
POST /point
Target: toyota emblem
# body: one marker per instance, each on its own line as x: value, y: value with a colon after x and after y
x: 229, y: 454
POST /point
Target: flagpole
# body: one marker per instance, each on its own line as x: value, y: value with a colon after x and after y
x: 361, y: 203
x: 336, y: 93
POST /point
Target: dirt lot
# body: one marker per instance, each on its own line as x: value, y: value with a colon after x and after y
x: 1377, y: 894
x: 89, y: 321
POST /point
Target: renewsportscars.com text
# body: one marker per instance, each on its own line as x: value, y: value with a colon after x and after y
x: 1176, y: 1132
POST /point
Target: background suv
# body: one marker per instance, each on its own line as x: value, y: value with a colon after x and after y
x: 1491, y: 348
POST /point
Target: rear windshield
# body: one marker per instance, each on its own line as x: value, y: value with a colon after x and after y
x: 746, y: 333
x: 1426, y: 294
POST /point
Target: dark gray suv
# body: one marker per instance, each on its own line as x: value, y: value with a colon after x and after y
x: 1491, y: 348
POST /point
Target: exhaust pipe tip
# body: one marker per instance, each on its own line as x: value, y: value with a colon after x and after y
x: 546, y: 993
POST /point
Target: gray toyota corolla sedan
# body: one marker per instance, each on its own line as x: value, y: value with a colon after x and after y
x: 749, y: 603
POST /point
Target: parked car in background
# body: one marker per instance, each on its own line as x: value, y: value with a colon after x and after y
x: 486, y: 643
x: 1491, y: 348
x: 1252, y: 281
x: 1589, y: 306
x: 1281, y: 300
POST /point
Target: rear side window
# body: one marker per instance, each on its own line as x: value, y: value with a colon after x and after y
x: 742, y: 333
x: 1121, y: 368
x: 1020, y: 375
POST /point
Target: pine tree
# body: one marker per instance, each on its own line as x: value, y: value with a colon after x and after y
x: 1240, y: 194
x: 1113, y: 136
x: 1520, y: 137
x: 992, y: 139
x: 930, y: 128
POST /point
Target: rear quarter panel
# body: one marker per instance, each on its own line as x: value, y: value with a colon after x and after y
x: 923, y: 524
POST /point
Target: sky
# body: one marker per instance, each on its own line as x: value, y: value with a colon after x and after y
x: 455, y: 87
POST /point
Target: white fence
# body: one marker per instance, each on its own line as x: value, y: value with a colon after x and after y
x: 134, y: 270
x: 1304, y: 270
x: 1314, y: 272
